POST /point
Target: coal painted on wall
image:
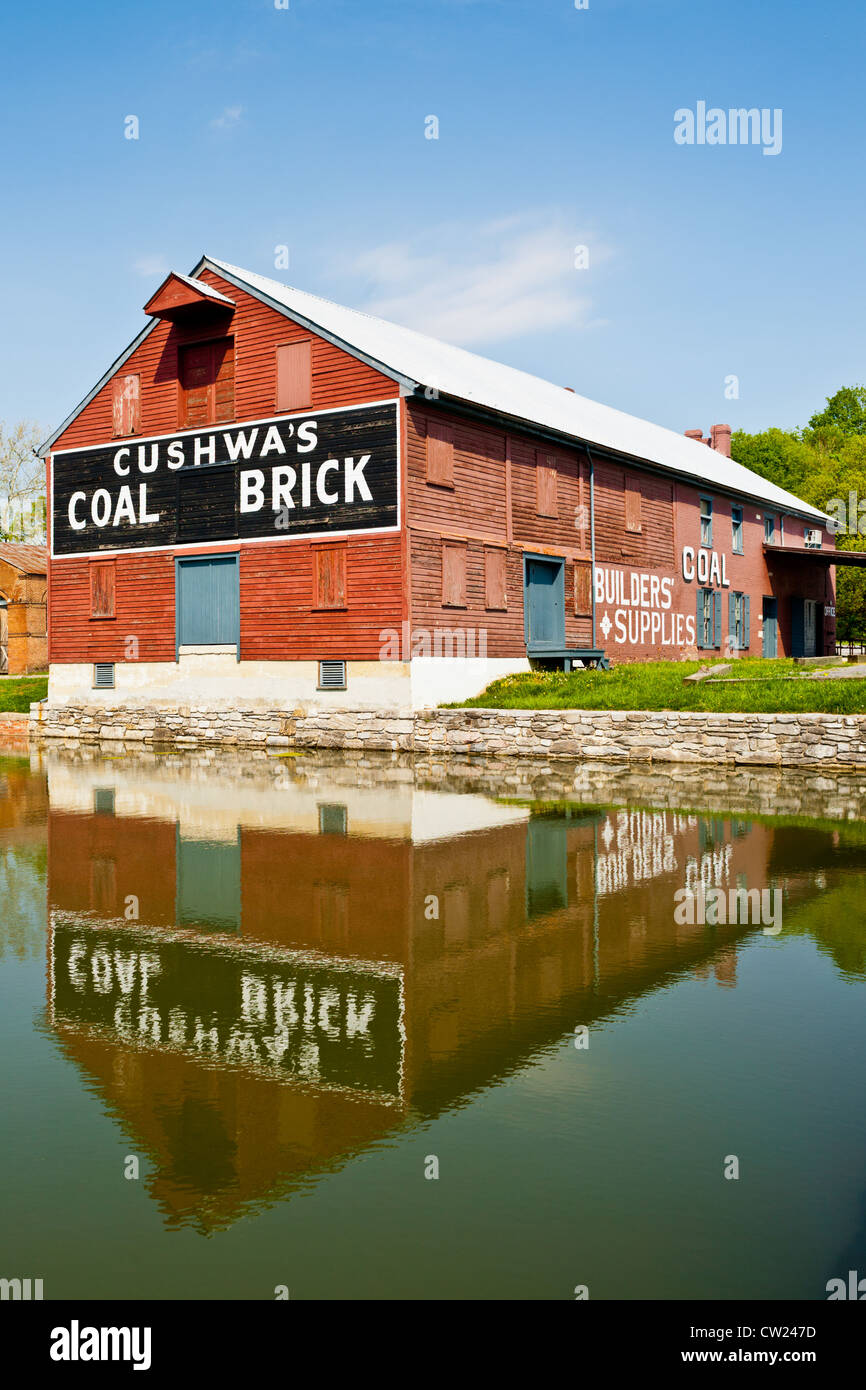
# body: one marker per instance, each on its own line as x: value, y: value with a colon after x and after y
x: 319, y: 473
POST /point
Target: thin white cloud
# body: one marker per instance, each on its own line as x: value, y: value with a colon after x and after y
x: 495, y: 282
x: 151, y: 266
x: 228, y: 117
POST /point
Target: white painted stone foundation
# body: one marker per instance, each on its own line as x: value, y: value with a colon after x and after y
x: 215, y: 679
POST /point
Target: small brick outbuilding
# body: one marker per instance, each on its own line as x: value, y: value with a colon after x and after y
x: 23, y: 634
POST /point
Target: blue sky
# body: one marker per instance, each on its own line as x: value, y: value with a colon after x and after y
x: 261, y: 127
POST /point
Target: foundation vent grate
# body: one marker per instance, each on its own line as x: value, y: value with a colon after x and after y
x: 103, y: 675
x: 332, y: 675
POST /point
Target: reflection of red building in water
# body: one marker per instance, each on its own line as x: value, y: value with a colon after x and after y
x: 261, y: 988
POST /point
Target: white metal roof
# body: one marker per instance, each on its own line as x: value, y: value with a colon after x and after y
x: 417, y: 360
x: 202, y: 286
x: 466, y: 376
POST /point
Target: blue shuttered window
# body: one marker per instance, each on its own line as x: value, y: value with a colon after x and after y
x: 208, y: 601
x: 738, y: 620
x: 709, y: 619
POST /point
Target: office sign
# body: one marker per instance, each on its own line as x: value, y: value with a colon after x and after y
x: 320, y: 473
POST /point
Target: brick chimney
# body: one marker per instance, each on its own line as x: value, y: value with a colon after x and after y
x: 721, y: 439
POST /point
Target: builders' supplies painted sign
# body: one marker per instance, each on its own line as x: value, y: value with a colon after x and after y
x: 638, y: 610
x: 321, y: 473
x: 337, y: 1026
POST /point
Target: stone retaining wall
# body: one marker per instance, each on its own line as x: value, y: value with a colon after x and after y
x: 666, y: 736
x: 239, y: 727
x: 789, y: 740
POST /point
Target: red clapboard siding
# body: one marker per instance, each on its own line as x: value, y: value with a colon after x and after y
x: 279, y: 621
x: 279, y: 618
x: 653, y: 544
x: 476, y: 502
x: 474, y: 518
x: 502, y: 628
x: 337, y: 377
x: 294, y: 372
x: 143, y: 625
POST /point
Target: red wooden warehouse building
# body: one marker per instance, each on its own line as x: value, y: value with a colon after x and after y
x: 271, y: 498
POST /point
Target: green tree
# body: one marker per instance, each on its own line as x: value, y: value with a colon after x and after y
x: 824, y: 463
x: 22, y: 484
x: 845, y: 411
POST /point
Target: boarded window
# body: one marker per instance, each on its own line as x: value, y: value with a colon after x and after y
x: 453, y: 574
x: 545, y: 484
x: 331, y: 577
x: 294, y: 376
x: 207, y: 382
x: 205, y: 513
x: 632, y: 505
x: 440, y: 454
x: 102, y: 589
x: 583, y: 590
x: 126, y: 405
x: 495, y: 578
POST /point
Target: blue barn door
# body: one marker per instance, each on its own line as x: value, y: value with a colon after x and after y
x: 208, y: 602
x: 770, y: 620
x: 544, y: 605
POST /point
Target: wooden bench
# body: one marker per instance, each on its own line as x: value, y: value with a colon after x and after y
x: 569, y: 656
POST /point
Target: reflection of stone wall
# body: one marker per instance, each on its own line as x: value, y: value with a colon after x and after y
x: 634, y: 736
x: 510, y: 782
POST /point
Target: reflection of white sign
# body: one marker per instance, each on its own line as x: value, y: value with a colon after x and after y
x: 707, y: 566
x: 642, y: 607
x: 645, y: 848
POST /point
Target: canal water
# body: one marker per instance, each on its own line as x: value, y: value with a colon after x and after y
x: 367, y: 1029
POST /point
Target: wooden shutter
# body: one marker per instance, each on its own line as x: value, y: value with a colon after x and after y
x: 453, y: 574
x: 632, y: 505
x: 224, y: 379
x: 294, y: 375
x: 717, y: 619
x: 440, y: 453
x: 195, y: 368
x: 126, y: 405
x: 582, y: 590
x: 207, y: 382
x: 545, y: 485
x: 495, y: 578
x: 331, y: 577
x: 102, y: 589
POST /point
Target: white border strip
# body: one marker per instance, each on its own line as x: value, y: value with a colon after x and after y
x: 207, y: 547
